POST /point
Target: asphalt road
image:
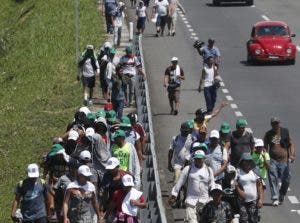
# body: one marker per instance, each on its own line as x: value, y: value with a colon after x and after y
x: 258, y: 92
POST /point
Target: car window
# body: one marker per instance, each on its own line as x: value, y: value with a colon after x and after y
x: 271, y: 30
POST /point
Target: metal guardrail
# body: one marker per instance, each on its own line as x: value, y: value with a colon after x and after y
x: 155, y: 213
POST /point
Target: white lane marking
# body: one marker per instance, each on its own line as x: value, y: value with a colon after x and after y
x: 196, y: 38
x: 186, y: 22
x: 225, y: 91
x: 193, y: 34
x: 238, y: 113
x: 191, y: 30
x: 298, y: 212
x: 222, y: 84
x: 183, y: 18
x: 265, y: 17
x: 234, y: 106
x: 298, y: 48
x: 229, y: 98
x: 293, y: 199
x: 188, y: 26
x: 252, y: 6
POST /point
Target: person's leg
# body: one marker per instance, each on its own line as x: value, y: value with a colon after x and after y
x: 169, y: 25
x: 273, y: 180
x: 174, y: 20
x: 285, y: 176
x: 177, y: 98
x: 252, y: 211
x: 116, y: 35
x: 213, y: 93
x: 163, y: 24
x: 243, y: 214
x: 131, y: 89
x: 207, y: 97
x: 191, y: 215
x: 107, y: 22
x: 171, y: 100
x: 41, y: 220
x: 119, y: 35
x: 158, y: 22
x: 120, y: 108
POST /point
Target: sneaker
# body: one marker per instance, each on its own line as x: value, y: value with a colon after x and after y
x: 281, y: 199
x: 90, y: 103
x: 156, y: 35
x: 275, y: 203
x: 175, y: 112
x: 85, y: 102
x: 172, y: 112
x: 173, y: 34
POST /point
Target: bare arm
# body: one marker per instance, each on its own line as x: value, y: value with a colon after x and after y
x: 181, y: 7
x: 218, y: 109
x: 15, y: 205
x: 166, y: 81
x: 139, y: 151
x: 65, y: 205
x: 291, y: 150
x: 240, y: 192
x: 260, y: 193
x: 222, y: 168
x: 202, y: 76
x: 141, y: 72
x: 170, y: 156
x: 96, y: 207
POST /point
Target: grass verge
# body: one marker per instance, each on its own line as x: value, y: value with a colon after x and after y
x: 39, y: 92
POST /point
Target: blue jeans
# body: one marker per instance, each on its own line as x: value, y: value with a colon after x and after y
x: 279, y: 171
x: 118, y: 106
x: 210, y: 95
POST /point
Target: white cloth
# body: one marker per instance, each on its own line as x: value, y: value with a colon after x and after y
x: 191, y: 215
x: 174, y: 74
x: 181, y: 147
x: 209, y: 75
x: 129, y: 65
x: 87, y: 68
x: 199, y: 183
x: 215, y: 160
x: 119, y: 20
x: 161, y: 7
x: 127, y: 208
x: 88, y: 187
x: 248, y: 182
x: 141, y: 12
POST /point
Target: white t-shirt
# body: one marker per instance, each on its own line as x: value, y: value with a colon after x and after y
x: 88, y: 187
x: 199, y: 181
x: 141, y: 12
x: 129, y: 65
x: 161, y: 7
x: 87, y: 68
x: 248, y: 182
x: 209, y: 76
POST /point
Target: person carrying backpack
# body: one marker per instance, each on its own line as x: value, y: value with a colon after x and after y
x: 32, y: 196
x: 279, y: 144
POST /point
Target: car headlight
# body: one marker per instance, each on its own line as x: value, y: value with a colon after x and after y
x: 257, y: 51
x: 288, y: 50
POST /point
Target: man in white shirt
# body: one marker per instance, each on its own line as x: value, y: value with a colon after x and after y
x: 161, y: 8
x: 172, y: 18
x: 249, y: 189
x: 200, y: 179
x: 89, y: 67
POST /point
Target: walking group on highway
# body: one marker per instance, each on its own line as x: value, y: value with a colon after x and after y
x: 92, y: 173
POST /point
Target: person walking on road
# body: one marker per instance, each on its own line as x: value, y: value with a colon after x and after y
x: 172, y: 16
x: 281, y: 149
x: 249, y: 189
x: 241, y: 141
x: 118, y: 23
x: 109, y: 7
x: 217, y: 210
x: 199, y: 179
x: 172, y: 81
x: 89, y: 67
x: 210, y: 50
x: 130, y: 67
x: 207, y: 79
x: 141, y: 17
x: 161, y: 8
x: 32, y: 195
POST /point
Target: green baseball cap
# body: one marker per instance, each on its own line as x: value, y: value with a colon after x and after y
x: 199, y: 154
x: 101, y: 113
x: 199, y: 145
x: 118, y: 133
x: 225, y: 127
x: 241, y: 122
x: 112, y: 50
x: 125, y: 122
x: 190, y: 122
x: 55, y: 149
x: 91, y: 116
x: 128, y: 49
x: 111, y: 115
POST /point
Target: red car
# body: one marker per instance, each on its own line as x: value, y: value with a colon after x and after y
x: 271, y: 41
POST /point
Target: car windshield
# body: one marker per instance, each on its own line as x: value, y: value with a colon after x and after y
x: 271, y: 31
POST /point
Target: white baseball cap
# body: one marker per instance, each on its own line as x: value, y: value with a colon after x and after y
x: 85, y: 155
x: 230, y: 169
x: 90, y: 47
x: 85, y: 110
x: 127, y: 180
x: 85, y: 171
x: 214, y: 134
x: 89, y: 132
x: 174, y: 59
x: 259, y: 143
x: 112, y: 163
x: 73, y: 135
x: 33, y: 170
x: 107, y: 45
x: 215, y: 188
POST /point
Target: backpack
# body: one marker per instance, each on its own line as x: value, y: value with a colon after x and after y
x: 21, y: 184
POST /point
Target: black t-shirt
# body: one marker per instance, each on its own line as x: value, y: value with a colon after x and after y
x: 171, y: 72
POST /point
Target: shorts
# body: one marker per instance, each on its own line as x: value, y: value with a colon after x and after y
x: 174, y: 94
x: 141, y: 23
x: 88, y: 81
x: 161, y: 21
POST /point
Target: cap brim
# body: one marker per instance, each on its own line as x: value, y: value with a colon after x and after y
x: 87, y: 175
x: 111, y: 167
x: 33, y: 175
x: 73, y: 138
x: 111, y: 119
x: 216, y: 190
x: 125, y: 125
x: 128, y: 184
x: 199, y: 157
x: 225, y: 130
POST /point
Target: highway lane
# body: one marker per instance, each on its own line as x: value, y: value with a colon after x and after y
x: 258, y: 91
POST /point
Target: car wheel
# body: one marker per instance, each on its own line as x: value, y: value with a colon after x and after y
x: 216, y: 2
x: 250, y: 2
x: 249, y: 59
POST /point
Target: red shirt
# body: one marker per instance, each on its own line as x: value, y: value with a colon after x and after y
x: 139, y: 129
x: 118, y: 197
